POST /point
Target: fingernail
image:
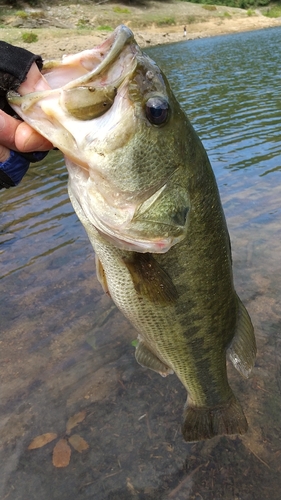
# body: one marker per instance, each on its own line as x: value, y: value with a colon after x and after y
x: 2, y: 122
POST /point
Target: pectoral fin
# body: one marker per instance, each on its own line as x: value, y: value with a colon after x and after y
x: 148, y: 359
x: 149, y: 279
x: 243, y: 349
x: 101, y: 275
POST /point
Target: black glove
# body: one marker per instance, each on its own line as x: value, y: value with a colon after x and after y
x: 15, y: 63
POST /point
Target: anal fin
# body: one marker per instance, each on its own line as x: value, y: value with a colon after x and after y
x: 243, y: 349
x: 148, y: 359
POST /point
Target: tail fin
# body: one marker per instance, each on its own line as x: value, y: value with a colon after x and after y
x: 206, y: 423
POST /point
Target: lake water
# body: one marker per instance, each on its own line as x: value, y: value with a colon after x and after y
x: 66, y: 349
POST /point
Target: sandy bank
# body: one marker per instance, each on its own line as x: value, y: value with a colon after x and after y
x: 58, y: 30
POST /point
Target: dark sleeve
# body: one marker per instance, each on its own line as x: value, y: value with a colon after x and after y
x: 15, y: 63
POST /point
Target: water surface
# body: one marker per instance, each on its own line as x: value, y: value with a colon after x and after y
x: 65, y: 348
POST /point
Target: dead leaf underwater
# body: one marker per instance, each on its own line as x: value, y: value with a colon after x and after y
x: 61, y: 454
x: 41, y: 440
x: 62, y: 450
x: 75, y: 420
x: 78, y: 443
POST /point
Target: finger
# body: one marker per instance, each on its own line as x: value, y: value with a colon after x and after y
x: 35, y: 82
x: 27, y: 139
x: 19, y: 136
x: 8, y: 127
x: 4, y: 154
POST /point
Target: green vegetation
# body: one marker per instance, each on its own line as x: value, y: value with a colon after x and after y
x: 120, y: 10
x: 29, y: 37
x: 191, y: 19
x: 166, y: 21
x: 21, y: 14
x: 209, y: 7
x: 275, y: 11
x: 123, y: 10
x: 242, y: 4
x: 37, y: 14
x: 83, y: 24
x: 17, y: 3
x: 104, y: 28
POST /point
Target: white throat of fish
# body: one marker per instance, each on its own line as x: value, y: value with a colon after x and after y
x: 114, y: 217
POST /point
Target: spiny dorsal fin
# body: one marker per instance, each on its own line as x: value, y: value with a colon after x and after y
x: 243, y: 349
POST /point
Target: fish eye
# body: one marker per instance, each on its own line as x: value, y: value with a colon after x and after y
x: 157, y: 110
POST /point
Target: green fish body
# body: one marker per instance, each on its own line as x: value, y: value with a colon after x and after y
x: 141, y: 183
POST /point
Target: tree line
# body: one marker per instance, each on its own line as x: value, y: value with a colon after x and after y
x: 243, y: 4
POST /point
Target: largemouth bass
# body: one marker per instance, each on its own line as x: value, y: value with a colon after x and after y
x: 141, y: 183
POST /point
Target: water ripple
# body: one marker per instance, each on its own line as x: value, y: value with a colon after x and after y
x: 38, y: 205
x: 230, y: 87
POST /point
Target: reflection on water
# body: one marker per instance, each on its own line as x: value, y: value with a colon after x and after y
x: 66, y: 348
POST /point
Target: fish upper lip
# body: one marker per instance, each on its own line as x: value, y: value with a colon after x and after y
x: 121, y: 37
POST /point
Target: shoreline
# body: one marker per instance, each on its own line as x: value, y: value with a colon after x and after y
x: 161, y: 36
x: 53, y: 42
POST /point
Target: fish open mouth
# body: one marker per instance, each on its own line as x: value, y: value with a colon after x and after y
x: 83, y: 80
x: 89, y: 113
x: 105, y: 54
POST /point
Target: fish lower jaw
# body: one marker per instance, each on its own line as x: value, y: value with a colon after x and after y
x: 160, y: 245
x: 126, y: 237
x: 116, y: 235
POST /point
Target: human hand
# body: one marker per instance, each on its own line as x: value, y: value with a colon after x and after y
x: 17, y: 135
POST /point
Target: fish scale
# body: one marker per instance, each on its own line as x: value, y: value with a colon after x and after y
x: 141, y: 184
